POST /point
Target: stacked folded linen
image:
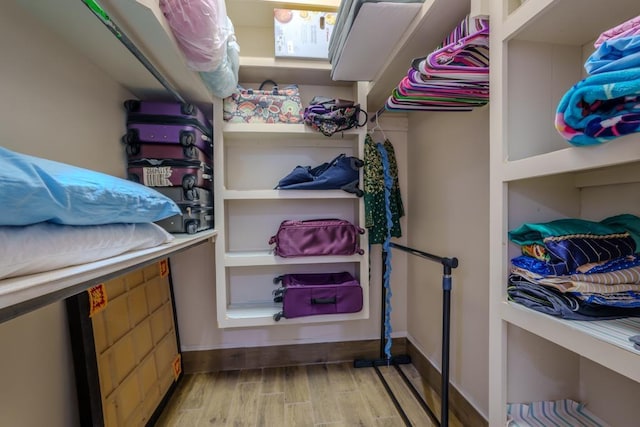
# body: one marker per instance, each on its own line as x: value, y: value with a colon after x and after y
x: 606, y: 104
x: 578, y: 269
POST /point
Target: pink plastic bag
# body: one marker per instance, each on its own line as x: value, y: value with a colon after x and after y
x: 201, y: 29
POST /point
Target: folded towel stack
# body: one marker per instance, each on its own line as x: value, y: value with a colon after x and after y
x: 606, y: 104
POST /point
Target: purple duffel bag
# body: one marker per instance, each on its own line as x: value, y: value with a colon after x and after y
x: 317, y: 237
x: 317, y: 293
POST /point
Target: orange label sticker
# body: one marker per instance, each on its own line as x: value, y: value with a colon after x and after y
x: 97, y: 299
x: 177, y: 367
x: 164, y: 268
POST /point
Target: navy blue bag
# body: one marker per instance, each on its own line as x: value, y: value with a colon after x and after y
x: 341, y: 173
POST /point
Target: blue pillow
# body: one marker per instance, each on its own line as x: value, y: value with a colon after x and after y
x: 34, y: 190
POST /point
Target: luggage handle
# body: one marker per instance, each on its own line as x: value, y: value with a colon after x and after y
x: 328, y: 300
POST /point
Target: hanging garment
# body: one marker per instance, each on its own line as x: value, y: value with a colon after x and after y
x: 375, y: 219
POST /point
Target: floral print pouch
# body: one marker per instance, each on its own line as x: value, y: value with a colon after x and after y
x: 264, y: 106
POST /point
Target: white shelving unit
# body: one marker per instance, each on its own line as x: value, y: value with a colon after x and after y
x: 538, y: 48
x: 249, y: 161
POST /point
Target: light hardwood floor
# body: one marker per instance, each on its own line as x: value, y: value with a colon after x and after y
x: 331, y: 394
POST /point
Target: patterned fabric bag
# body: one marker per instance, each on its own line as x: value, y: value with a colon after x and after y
x: 264, y: 106
x: 329, y: 115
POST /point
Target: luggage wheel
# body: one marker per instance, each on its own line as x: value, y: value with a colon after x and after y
x: 188, y: 109
x: 131, y: 137
x: 191, y: 194
x: 133, y: 149
x: 191, y: 227
x: 132, y: 105
x: 188, y: 182
x: 277, y: 316
x: 190, y: 152
x: 187, y: 138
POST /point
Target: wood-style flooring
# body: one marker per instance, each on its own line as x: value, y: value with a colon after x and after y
x: 331, y: 394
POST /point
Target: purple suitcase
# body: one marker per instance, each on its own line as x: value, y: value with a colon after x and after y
x: 167, y: 123
x: 194, y: 218
x: 317, y: 293
x: 169, y: 173
x: 137, y: 151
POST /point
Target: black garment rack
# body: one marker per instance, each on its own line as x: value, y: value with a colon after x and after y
x: 447, y: 264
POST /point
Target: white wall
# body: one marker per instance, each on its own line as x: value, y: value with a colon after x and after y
x: 58, y: 106
x: 448, y: 162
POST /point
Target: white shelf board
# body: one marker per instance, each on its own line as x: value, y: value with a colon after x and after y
x: 285, y: 71
x: 262, y: 315
x: 547, y: 20
x: 365, y: 51
x: 143, y: 22
x: 572, y: 159
x: 286, y: 194
x: 603, y: 341
x: 282, y: 129
x: 35, y: 290
x: 254, y: 258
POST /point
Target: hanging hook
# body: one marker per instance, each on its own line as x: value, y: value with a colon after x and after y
x: 378, y: 127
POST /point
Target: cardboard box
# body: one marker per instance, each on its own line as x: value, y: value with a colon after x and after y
x: 302, y: 33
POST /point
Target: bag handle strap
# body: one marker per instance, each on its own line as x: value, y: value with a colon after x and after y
x: 271, y: 82
x: 366, y: 117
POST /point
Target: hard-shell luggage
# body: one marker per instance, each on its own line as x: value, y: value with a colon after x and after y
x: 170, y: 172
x: 193, y: 195
x: 317, y: 293
x: 167, y: 123
x: 194, y: 218
x: 138, y: 151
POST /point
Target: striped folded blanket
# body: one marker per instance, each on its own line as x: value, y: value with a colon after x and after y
x: 600, y: 108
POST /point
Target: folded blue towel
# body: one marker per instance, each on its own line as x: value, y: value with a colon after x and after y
x: 600, y: 108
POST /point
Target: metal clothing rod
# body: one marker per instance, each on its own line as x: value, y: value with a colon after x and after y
x: 120, y: 35
x: 447, y: 265
x: 450, y: 262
